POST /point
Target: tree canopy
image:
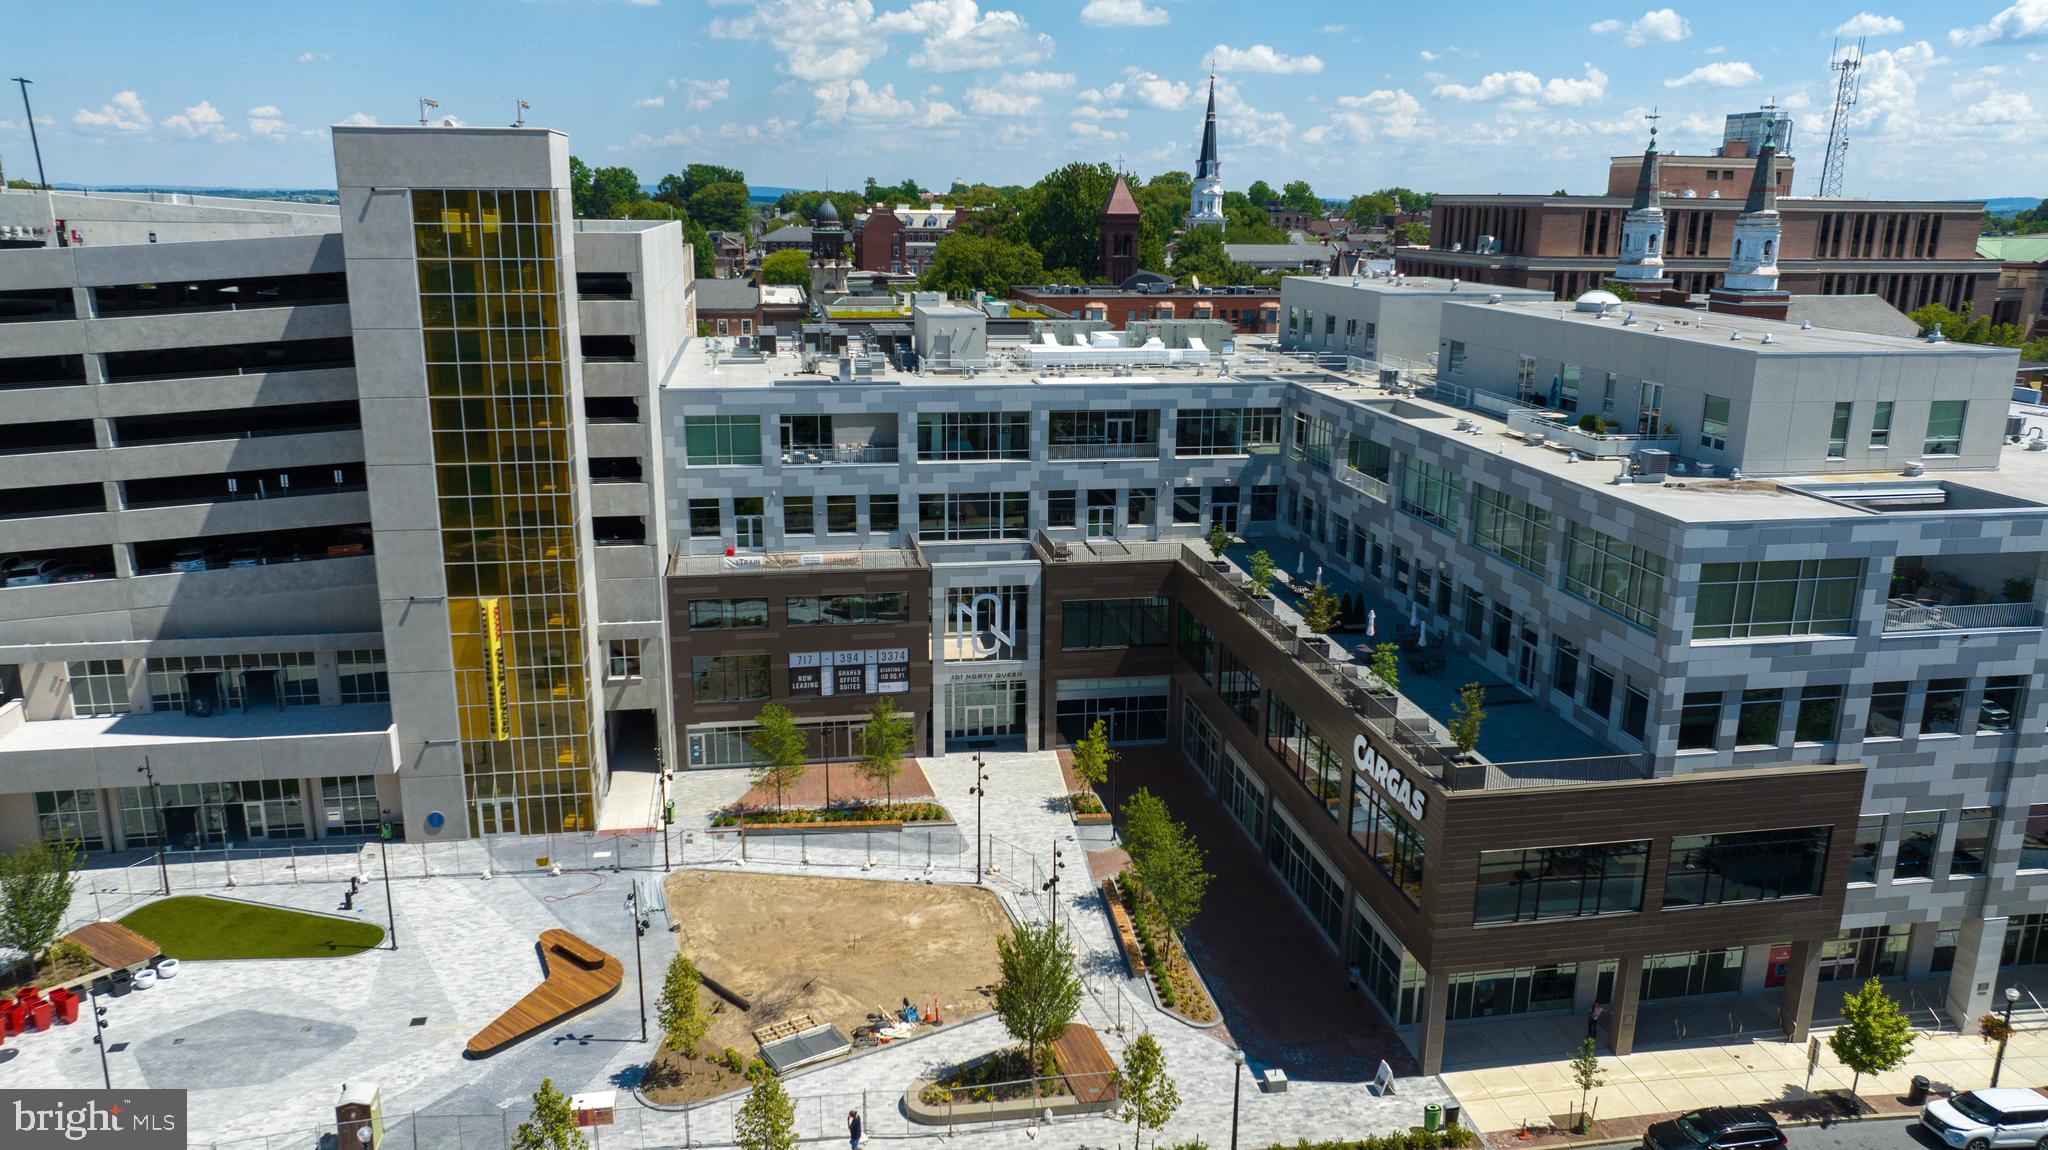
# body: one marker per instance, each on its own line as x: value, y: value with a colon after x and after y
x: 1298, y: 196
x: 966, y: 262
x: 789, y: 266
x: 722, y: 206
x: 1060, y: 216
x: 616, y: 194
x: 1967, y: 327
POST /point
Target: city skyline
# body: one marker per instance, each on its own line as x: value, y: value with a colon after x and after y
x: 814, y: 93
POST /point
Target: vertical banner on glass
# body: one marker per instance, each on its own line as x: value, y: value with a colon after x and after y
x: 494, y: 668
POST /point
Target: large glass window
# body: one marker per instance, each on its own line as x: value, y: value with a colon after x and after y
x: 1714, y: 423
x: 977, y: 515
x: 1865, y: 953
x: 70, y: 817
x: 852, y: 608
x: 1510, y: 528
x: 2026, y: 941
x: 1198, y: 740
x: 1611, y: 574
x: 1971, y: 854
x: 1518, y: 990
x: 1945, y: 427
x: 1313, y: 439
x: 722, y: 440
x: 1887, y: 711
x: 364, y: 677
x: 288, y: 679
x: 729, y: 678
x: 1699, y: 721
x: 1881, y: 424
x: 1820, y: 714
x: 1745, y: 866
x: 1319, y: 890
x: 1918, y: 832
x: 1838, y: 431
x: 1197, y: 646
x: 1103, y: 434
x: 1431, y: 493
x: 348, y: 804
x: 98, y: 687
x: 1388, y: 837
x: 1308, y: 755
x: 1390, y: 977
x: 1227, y: 431
x: 1527, y: 885
x: 953, y: 435
x: 2034, y: 842
x: 1239, y: 687
x: 1136, y: 717
x: 1943, y: 714
x: 1757, y: 721
x: 1368, y: 457
x: 704, y: 519
x: 1091, y: 623
x: 1782, y: 597
x: 728, y: 614
x: 1869, y: 844
x: 2001, y: 702
x: 1688, y: 974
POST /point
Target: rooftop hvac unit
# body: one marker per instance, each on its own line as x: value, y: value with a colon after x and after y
x: 1389, y: 376
x: 1654, y: 461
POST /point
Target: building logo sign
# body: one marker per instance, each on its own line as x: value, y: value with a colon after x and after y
x: 112, y: 1119
x: 494, y: 668
x: 990, y: 639
x: 1388, y: 778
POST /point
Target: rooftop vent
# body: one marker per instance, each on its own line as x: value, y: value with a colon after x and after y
x: 1805, y: 325
x: 1628, y: 320
x: 1767, y: 338
x: 1935, y: 336
x: 1733, y: 335
x: 1454, y: 285
x: 1493, y: 297
x: 1916, y: 468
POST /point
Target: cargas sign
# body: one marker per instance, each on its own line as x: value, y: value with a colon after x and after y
x: 1389, y: 778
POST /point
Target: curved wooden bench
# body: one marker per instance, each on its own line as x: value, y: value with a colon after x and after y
x: 577, y: 976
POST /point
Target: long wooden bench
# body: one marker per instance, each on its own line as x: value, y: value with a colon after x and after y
x: 112, y: 945
x: 577, y: 976
x: 1085, y: 1063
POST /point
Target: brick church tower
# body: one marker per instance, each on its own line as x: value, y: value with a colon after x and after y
x: 1118, y: 225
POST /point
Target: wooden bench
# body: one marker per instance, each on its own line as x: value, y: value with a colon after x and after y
x: 1085, y: 1064
x: 586, y: 977
x: 112, y: 945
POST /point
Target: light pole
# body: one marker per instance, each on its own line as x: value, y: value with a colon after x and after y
x: 384, y: 856
x: 1236, y: 1086
x: 978, y: 790
x: 668, y: 807
x: 33, y: 142
x: 163, y: 833
x: 2012, y: 998
x: 99, y: 1031
x: 639, y: 975
x: 1053, y: 885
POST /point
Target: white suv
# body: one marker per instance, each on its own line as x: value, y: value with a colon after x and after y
x: 1983, y: 1119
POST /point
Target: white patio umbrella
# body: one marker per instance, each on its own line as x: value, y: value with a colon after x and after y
x: 1319, y: 573
x: 1422, y: 637
x: 1413, y: 616
x: 1300, y: 561
x: 1372, y: 621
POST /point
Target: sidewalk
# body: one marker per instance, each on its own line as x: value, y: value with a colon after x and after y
x: 1651, y: 1085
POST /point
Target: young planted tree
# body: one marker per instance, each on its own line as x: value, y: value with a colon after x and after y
x: 552, y: 1125
x: 1038, y: 993
x: 883, y: 743
x: 767, y: 1120
x: 681, y: 1011
x: 1259, y: 574
x: 1093, y: 756
x: 1218, y: 540
x: 1147, y: 823
x: 1146, y: 1097
x: 1174, y: 874
x: 1874, y: 1036
x: 783, y: 747
x: 1320, y: 610
x: 1585, y: 1072
x: 1386, y: 665
x: 1468, y: 711
x: 35, y: 891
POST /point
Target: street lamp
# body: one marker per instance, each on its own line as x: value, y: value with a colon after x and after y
x: 668, y: 806
x: 30, y: 114
x: 384, y: 855
x: 2012, y: 998
x: 156, y: 798
x: 639, y: 928
x: 1236, y: 1086
x: 978, y: 790
x: 1052, y: 885
x: 99, y: 1030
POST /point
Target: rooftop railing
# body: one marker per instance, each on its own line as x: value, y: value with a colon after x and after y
x: 1911, y: 615
x: 1102, y: 450
x: 1372, y: 486
x: 1558, y: 428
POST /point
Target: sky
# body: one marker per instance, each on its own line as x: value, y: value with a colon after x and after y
x: 1454, y: 97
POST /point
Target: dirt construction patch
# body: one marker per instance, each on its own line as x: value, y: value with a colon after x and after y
x: 835, y: 949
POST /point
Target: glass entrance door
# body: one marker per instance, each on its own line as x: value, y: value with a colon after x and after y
x: 747, y: 532
x: 1224, y: 514
x: 1102, y: 523
x: 983, y: 713
x: 497, y: 816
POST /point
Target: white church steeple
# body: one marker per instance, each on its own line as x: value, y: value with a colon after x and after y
x: 1642, y: 231
x: 1205, y: 198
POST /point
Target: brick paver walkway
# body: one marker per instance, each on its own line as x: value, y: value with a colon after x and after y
x: 845, y: 785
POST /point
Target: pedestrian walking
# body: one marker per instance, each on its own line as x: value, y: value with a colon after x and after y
x: 853, y: 1130
x: 1593, y: 1017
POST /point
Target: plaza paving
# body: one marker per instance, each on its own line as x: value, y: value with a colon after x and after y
x: 265, y: 1046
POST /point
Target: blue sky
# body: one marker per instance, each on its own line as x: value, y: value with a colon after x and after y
x: 1471, y: 97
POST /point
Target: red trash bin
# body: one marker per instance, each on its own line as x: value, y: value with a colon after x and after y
x: 11, y: 1018
x: 39, y: 1014
x: 65, y: 1003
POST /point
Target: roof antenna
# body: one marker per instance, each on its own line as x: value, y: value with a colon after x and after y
x: 424, y: 105
x: 519, y: 121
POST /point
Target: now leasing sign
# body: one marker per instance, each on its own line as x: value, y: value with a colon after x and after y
x: 1388, y: 778
x: 107, y: 1119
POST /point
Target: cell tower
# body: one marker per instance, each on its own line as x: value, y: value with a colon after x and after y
x: 1848, y: 68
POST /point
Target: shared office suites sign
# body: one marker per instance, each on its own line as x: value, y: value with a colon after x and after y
x: 92, y: 1119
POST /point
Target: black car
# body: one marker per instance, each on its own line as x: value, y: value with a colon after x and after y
x: 1717, y: 1128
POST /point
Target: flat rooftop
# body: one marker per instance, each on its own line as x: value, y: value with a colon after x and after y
x: 1428, y: 285
x: 160, y: 728
x: 1701, y: 327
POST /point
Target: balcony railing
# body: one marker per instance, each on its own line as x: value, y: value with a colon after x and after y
x: 1374, y: 488
x: 836, y: 454
x: 1532, y: 421
x: 1101, y: 450
x: 1908, y: 615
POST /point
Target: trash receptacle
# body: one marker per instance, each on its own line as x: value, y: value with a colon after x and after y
x: 1917, y: 1095
x: 1451, y: 1114
x: 1432, y: 1117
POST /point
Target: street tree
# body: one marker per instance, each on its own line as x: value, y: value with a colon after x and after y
x: 1875, y: 1035
x: 1062, y: 219
x: 1038, y: 992
x: 1146, y: 1096
x: 35, y: 891
x: 722, y: 207
x: 1586, y: 1075
x: 681, y: 1010
x: 1093, y: 756
x: 1199, y: 253
x: 552, y: 1125
x: 790, y: 266
x: 1298, y: 196
x: 883, y: 743
x: 1262, y: 193
x: 783, y: 748
x: 767, y: 1120
x: 964, y: 263
x: 1218, y: 539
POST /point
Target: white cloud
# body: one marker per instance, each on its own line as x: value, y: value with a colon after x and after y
x: 1246, y: 124
x: 1428, y: 56
x: 1558, y: 91
x: 2024, y: 20
x: 820, y: 40
x: 2014, y: 108
x: 937, y: 112
x: 855, y: 100
x: 1091, y: 112
x: 1262, y: 58
x: 673, y: 138
x: 704, y: 93
x: 1720, y: 74
x: 1660, y: 25
x: 267, y: 122
x: 124, y: 114
x: 1039, y: 81
x: 990, y: 102
x: 360, y: 119
x: 315, y: 57
x: 772, y: 128
x: 1123, y: 14
x: 959, y: 36
x: 651, y: 102
x: 201, y: 121
x: 1384, y: 112
x: 1716, y: 50
x: 1142, y: 87
x: 1870, y: 24
x: 1095, y: 133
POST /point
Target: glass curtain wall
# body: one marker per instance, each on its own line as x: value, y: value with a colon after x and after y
x: 491, y: 306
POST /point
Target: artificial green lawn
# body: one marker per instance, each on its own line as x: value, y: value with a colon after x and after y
x: 192, y: 927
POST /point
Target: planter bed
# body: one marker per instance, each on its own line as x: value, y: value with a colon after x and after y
x: 864, y: 816
x: 769, y: 830
x: 1179, y: 991
x: 1120, y: 920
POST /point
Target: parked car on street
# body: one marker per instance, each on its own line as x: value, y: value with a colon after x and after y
x: 1717, y: 1128
x: 1983, y: 1119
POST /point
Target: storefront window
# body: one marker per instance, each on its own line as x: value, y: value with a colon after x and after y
x: 70, y: 817
x: 1692, y: 973
x: 1528, y: 885
x: 1745, y: 866
x: 1517, y: 990
x: 1319, y: 890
